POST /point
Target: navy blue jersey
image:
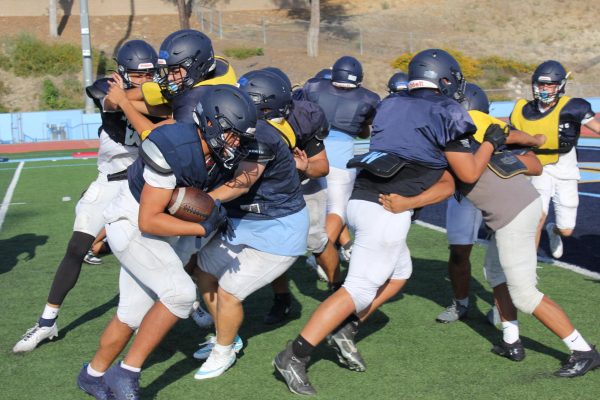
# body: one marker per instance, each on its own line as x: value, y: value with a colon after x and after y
x: 347, y: 110
x: 277, y: 192
x: 310, y: 126
x: 570, y: 117
x: 114, y: 123
x: 418, y: 128
x: 174, y: 148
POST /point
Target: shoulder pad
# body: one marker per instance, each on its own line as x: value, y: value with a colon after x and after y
x: 98, y: 89
x: 153, y: 157
x: 259, y: 152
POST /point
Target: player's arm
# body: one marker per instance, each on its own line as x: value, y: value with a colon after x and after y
x: 466, y: 166
x: 246, y: 175
x: 155, y: 221
x: 439, y: 191
x: 594, y: 125
x: 312, y: 161
x: 533, y: 164
x: 520, y: 138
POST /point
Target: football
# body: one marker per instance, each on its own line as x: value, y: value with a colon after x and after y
x: 190, y: 204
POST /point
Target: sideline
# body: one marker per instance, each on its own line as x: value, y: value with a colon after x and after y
x: 9, y: 193
x: 561, y: 264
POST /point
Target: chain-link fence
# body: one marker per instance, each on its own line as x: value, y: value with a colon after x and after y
x: 368, y: 39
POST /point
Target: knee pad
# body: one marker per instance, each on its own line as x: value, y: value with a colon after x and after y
x: 180, y: 299
x: 362, y: 296
x: 131, y: 318
x: 525, y: 298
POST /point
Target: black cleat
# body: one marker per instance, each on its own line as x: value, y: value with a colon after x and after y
x: 282, y: 304
x: 579, y: 363
x: 293, y: 371
x: 514, y: 351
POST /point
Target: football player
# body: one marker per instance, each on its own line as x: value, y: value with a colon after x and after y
x: 463, y: 219
x: 349, y: 109
x: 152, y: 245
x: 270, y: 222
x: 560, y: 118
x: 305, y: 127
x: 415, y: 138
x: 118, y: 148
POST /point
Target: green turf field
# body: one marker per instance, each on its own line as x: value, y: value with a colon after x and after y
x: 408, y: 354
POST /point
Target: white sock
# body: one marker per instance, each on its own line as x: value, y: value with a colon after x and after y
x: 225, y: 350
x: 463, y: 302
x: 576, y: 342
x: 129, y: 367
x: 50, y: 312
x: 510, y: 331
x: 92, y: 372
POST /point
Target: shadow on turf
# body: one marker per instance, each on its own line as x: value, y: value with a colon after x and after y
x: 11, y: 249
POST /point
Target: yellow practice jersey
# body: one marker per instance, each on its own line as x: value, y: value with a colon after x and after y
x: 547, y: 125
x: 482, y: 121
x: 223, y: 75
x: 285, y: 131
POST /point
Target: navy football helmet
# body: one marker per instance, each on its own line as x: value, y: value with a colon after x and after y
x: 475, y: 99
x: 227, y: 119
x: 269, y: 92
x: 323, y: 74
x: 549, y: 73
x: 280, y: 74
x: 135, y: 56
x: 436, y: 69
x: 398, y: 82
x: 186, y: 49
x: 347, y: 72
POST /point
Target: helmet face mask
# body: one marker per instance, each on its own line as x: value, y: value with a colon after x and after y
x: 136, y: 63
x: 548, y: 82
x: 437, y: 69
x: 226, y: 119
x: 187, y: 50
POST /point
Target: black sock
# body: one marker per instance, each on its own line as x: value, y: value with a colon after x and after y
x: 285, y: 298
x: 348, y: 244
x: 43, y: 322
x: 301, y: 348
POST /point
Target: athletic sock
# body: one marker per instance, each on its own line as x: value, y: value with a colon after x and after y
x: 576, y: 342
x: 92, y: 372
x: 301, y: 347
x: 510, y: 331
x: 348, y: 244
x: 49, y: 316
x: 223, y: 350
x: 463, y: 302
x: 130, y: 368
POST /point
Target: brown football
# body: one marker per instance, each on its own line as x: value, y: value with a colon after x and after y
x: 190, y: 204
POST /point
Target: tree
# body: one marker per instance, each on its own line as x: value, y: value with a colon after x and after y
x: 182, y: 8
x: 52, y: 18
x: 313, y: 29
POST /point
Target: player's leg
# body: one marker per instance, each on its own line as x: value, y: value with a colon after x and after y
x: 463, y: 220
x: 88, y: 223
x: 544, y: 184
x: 565, y: 201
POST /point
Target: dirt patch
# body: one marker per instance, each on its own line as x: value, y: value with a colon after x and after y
x: 528, y: 31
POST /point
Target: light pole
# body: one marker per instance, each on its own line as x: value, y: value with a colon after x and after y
x: 86, y: 53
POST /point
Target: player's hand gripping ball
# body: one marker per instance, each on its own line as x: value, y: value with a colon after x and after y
x: 190, y: 204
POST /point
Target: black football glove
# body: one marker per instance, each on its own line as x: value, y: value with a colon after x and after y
x: 227, y: 229
x: 217, y: 217
x: 495, y: 135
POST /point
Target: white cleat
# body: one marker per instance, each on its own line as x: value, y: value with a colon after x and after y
x: 556, y: 245
x: 215, y: 365
x: 35, y: 336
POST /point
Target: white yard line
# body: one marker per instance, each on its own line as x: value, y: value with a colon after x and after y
x: 561, y: 264
x: 9, y: 193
